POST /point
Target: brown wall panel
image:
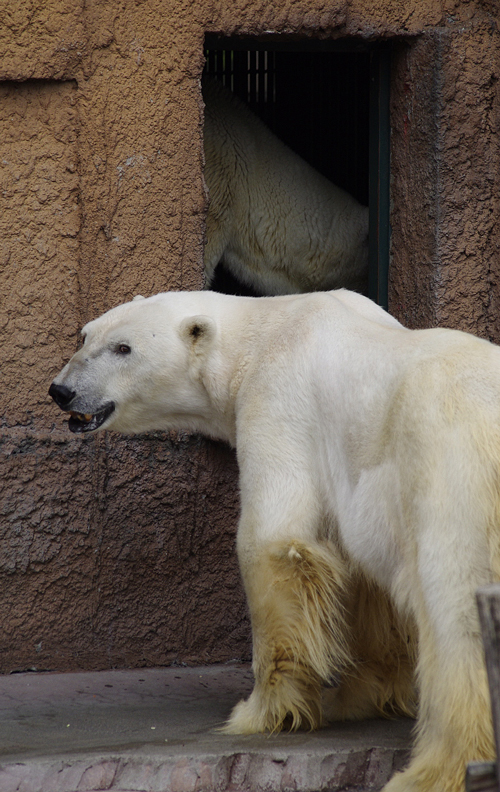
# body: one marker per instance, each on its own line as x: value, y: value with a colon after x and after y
x: 120, y: 551
x: 39, y: 245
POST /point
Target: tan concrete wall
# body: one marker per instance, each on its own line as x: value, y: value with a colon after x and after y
x: 118, y: 551
x: 445, y: 267
x: 39, y: 227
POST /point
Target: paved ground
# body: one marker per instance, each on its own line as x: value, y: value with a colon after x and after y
x: 155, y: 730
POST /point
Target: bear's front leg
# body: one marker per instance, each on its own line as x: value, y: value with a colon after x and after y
x: 295, y: 591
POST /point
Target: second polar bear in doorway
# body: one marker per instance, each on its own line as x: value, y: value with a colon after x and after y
x: 276, y: 224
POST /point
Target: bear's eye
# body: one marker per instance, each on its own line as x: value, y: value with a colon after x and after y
x: 122, y: 349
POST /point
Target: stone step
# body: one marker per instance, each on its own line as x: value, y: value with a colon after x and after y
x: 155, y: 730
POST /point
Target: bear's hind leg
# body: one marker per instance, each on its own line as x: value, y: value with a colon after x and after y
x: 453, y: 729
x: 300, y: 636
x: 382, y: 681
x: 454, y: 720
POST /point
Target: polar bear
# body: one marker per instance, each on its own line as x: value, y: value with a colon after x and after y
x: 278, y: 225
x: 369, y: 459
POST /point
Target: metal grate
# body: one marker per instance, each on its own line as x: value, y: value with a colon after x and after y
x: 250, y: 74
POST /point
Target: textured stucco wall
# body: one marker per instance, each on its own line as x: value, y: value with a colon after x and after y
x: 39, y: 227
x: 445, y: 118
x: 117, y: 551
x: 114, y: 551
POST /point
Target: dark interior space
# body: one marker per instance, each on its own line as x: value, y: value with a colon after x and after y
x: 317, y: 101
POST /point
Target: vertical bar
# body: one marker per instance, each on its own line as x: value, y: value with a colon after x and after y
x: 379, y: 188
x: 481, y: 777
x: 488, y: 604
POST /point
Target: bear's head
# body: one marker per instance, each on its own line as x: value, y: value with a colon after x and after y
x: 138, y: 368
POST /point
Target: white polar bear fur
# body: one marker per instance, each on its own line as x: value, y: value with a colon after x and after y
x: 276, y: 223
x: 369, y: 460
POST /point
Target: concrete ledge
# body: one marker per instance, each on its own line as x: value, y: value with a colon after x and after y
x: 104, y: 593
x: 155, y: 730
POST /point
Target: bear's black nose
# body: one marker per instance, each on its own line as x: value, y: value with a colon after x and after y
x: 61, y: 395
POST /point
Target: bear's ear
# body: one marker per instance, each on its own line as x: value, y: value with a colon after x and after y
x: 138, y: 297
x: 197, y: 331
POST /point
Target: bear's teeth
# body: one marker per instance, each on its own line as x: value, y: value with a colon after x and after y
x: 80, y: 417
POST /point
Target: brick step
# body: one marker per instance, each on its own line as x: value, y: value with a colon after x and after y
x: 155, y: 730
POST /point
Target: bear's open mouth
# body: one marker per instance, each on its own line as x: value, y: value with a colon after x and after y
x: 87, y: 422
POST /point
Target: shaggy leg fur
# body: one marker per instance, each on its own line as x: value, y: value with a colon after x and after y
x: 454, y: 722
x: 382, y: 680
x: 454, y: 728
x: 295, y: 593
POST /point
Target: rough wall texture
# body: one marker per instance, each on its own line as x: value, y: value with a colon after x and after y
x: 445, y: 178
x: 39, y: 227
x: 120, y: 551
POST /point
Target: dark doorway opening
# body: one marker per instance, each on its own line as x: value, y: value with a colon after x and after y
x: 328, y: 101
